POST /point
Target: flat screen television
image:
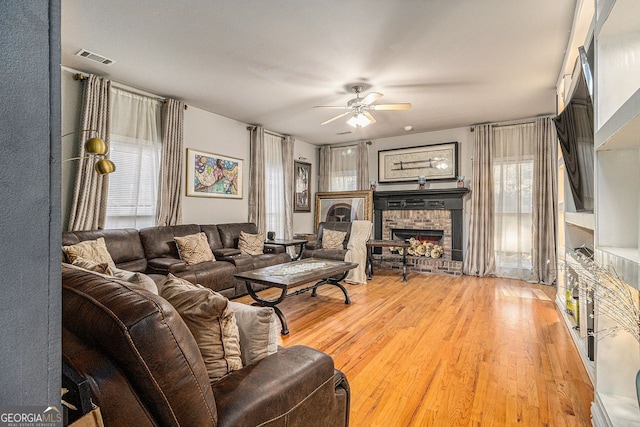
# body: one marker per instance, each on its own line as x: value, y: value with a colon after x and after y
x: 574, y: 126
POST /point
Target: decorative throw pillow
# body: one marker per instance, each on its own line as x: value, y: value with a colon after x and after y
x: 135, y: 277
x: 251, y: 244
x: 259, y: 330
x: 332, y: 239
x: 211, y: 322
x: 194, y: 249
x: 87, y: 264
x: 143, y: 280
x: 93, y: 250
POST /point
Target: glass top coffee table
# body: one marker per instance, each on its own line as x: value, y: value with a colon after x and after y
x: 288, y: 275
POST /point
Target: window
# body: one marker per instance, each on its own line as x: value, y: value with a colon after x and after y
x: 274, y: 185
x: 513, y: 200
x: 344, y: 163
x: 135, y: 148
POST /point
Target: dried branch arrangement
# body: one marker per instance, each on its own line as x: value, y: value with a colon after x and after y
x: 611, y: 296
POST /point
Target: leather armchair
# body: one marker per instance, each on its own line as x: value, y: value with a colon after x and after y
x: 314, y: 248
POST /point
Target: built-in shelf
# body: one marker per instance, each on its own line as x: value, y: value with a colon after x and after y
x: 617, y: 231
x: 579, y: 341
x: 580, y: 219
x: 620, y: 410
x: 622, y: 130
x: 629, y: 254
x: 623, y: 262
x: 617, y: 66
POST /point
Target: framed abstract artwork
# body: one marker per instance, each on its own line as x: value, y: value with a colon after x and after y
x: 214, y: 175
x: 344, y: 206
x: 302, y: 177
x: 433, y: 162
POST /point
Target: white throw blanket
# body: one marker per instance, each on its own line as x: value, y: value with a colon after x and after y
x: 357, y: 251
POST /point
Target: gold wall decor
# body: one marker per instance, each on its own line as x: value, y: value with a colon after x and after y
x: 345, y: 206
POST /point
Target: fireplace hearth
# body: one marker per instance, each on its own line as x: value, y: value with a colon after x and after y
x: 434, y: 214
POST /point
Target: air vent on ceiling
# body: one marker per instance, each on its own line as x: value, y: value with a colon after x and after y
x: 95, y: 57
x: 344, y: 133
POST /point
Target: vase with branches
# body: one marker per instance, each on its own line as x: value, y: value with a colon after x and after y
x: 612, y: 298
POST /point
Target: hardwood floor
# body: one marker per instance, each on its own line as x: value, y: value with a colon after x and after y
x: 447, y: 351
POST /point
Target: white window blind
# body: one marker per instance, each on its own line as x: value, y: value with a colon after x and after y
x: 135, y: 148
x: 274, y: 185
x: 513, y: 200
x: 344, y: 168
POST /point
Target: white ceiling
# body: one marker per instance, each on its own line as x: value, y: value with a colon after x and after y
x: 268, y: 62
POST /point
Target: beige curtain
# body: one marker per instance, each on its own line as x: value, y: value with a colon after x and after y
x: 544, y: 250
x: 169, y: 211
x: 324, y: 169
x: 89, y: 206
x: 363, y: 165
x: 257, y: 212
x: 480, y: 258
x: 288, y: 174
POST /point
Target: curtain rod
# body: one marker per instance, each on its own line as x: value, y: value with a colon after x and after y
x: 345, y: 144
x: 513, y: 122
x: 80, y: 76
x: 279, y: 135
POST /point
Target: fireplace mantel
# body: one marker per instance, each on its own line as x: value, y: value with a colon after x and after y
x: 442, y: 198
x: 449, y: 199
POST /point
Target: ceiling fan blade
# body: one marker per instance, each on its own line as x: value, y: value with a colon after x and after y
x: 372, y: 97
x: 392, y: 107
x: 370, y: 117
x: 335, y: 107
x: 335, y: 118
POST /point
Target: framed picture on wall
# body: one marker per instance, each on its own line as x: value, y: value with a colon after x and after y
x: 302, y: 180
x: 214, y: 175
x: 436, y: 162
x: 344, y: 206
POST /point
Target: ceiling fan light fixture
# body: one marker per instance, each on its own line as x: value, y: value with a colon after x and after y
x: 359, y: 108
x: 359, y: 120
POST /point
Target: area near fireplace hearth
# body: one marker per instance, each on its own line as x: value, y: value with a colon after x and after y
x: 433, y: 215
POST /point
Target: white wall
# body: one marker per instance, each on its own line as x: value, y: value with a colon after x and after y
x: 203, y: 131
x: 219, y: 135
x: 215, y: 134
x: 463, y: 136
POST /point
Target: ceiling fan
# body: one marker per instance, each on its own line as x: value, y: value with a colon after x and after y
x: 359, y: 108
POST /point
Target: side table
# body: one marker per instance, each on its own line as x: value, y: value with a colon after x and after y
x: 289, y: 242
x: 387, y: 244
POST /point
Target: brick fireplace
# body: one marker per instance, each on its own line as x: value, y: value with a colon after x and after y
x: 434, y: 215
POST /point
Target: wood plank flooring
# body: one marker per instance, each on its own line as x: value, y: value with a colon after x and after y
x: 447, y: 351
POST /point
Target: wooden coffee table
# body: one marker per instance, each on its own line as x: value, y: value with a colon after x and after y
x: 291, y: 274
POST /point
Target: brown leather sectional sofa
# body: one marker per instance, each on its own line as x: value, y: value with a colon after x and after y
x: 153, y: 251
x: 144, y: 367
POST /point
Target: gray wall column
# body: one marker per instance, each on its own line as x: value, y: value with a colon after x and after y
x: 30, y: 296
